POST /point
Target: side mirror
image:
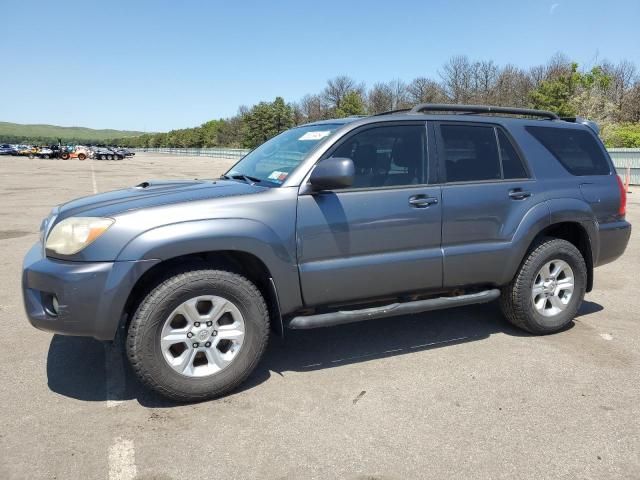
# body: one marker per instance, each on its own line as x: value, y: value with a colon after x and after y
x: 332, y: 173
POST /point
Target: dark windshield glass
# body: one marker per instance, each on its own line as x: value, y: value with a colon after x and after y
x: 275, y: 159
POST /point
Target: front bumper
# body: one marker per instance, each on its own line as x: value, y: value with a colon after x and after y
x: 91, y: 296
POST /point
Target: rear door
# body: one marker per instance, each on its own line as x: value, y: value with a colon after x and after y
x: 487, y: 189
x: 382, y: 236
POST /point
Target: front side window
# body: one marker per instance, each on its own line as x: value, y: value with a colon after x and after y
x: 272, y: 162
x: 387, y: 156
x: 577, y: 150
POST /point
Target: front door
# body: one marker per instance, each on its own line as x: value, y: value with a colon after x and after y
x: 381, y: 237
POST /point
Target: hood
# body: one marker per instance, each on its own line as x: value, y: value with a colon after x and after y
x: 151, y: 194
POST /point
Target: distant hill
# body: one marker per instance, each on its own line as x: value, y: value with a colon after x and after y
x: 15, y: 132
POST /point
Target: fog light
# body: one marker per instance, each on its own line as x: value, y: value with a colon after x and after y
x: 54, y: 304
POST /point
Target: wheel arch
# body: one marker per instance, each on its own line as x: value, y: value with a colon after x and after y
x: 575, y: 233
x: 236, y: 261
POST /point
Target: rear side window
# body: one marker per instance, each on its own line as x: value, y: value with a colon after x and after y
x: 575, y: 149
x: 470, y: 153
x: 512, y: 166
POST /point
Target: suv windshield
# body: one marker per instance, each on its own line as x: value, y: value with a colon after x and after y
x: 275, y: 159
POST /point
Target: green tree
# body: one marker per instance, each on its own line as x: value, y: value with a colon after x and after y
x: 266, y: 120
x: 352, y: 104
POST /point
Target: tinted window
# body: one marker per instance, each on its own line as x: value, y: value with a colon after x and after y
x: 470, y: 153
x: 575, y: 149
x: 512, y: 166
x: 387, y: 156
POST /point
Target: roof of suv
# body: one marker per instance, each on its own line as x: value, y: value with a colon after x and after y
x: 466, y: 113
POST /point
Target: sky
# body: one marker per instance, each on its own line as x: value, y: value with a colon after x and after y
x: 158, y: 65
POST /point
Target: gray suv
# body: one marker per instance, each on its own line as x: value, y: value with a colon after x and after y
x: 328, y: 223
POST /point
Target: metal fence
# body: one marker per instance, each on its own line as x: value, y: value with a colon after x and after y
x: 623, y: 158
x: 229, y: 153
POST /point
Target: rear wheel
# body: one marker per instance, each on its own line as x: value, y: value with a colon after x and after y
x: 109, y: 157
x: 198, y: 334
x: 548, y: 289
x: 81, y: 156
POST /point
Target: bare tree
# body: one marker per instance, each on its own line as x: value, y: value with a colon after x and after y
x: 424, y: 90
x: 512, y: 87
x: 313, y: 108
x: 338, y: 87
x: 380, y: 98
x: 456, y: 79
x: 622, y: 78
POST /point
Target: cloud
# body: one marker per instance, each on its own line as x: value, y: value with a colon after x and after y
x: 553, y: 7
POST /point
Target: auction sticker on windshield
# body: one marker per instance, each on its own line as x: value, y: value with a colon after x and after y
x: 315, y: 135
x: 278, y: 176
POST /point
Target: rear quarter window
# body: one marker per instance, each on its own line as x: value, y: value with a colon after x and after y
x: 576, y: 150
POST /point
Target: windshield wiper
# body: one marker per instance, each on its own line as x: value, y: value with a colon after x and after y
x: 246, y: 178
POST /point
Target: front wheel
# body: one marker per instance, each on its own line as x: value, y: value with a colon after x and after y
x: 198, y: 334
x: 548, y: 289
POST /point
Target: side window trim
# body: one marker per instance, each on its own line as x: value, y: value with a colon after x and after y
x: 426, y: 172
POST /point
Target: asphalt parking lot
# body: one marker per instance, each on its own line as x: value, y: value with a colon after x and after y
x: 451, y: 394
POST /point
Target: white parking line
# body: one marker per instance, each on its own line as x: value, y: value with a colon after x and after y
x: 114, y: 368
x: 93, y: 177
x: 122, y: 460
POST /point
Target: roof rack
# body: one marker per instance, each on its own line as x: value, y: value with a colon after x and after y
x: 443, y: 107
x: 390, y: 112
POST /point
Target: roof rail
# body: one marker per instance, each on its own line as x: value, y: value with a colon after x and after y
x: 390, y: 112
x: 443, y: 107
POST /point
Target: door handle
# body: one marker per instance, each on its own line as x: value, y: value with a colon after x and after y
x: 518, y: 194
x: 422, y: 201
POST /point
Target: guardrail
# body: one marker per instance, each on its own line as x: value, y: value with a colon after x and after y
x: 623, y: 158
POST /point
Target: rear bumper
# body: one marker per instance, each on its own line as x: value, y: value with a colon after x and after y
x: 614, y: 238
x: 90, y: 295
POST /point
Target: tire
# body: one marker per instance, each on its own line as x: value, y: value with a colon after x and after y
x: 109, y: 157
x: 517, y: 299
x: 82, y: 156
x: 147, y: 354
x: 64, y: 156
x: 46, y: 157
x: 102, y: 157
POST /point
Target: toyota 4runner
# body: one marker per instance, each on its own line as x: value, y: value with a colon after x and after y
x: 328, y: 223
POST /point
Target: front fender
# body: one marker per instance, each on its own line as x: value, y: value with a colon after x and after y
x: 229, y: 234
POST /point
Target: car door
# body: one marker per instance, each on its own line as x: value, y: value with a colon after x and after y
x: 381, y: 237
x: 486, y: 192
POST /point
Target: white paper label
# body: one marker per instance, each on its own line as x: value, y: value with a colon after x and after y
x: 314, y: 135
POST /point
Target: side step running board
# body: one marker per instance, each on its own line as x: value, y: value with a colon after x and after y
x: 349, y: 316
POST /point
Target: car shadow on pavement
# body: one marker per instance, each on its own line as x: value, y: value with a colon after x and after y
x: 77, y: 367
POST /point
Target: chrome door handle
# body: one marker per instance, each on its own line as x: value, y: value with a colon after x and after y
x: 422, y: 201
x: 518, y: 194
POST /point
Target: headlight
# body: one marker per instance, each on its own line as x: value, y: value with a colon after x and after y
x: 73, y: 234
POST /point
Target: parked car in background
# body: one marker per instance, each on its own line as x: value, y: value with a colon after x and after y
x: 329, y: 223
x: 124, y: 151
x: 105, y: 153
x: 6, y: 149
x: 45, y: 152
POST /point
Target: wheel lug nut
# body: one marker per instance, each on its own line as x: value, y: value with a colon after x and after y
x: 196, y: 345
x: 196, y: 324
x: 208, y: 344
x: 209, y: 324
x: 189, y: 335
x: 214, y: 333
